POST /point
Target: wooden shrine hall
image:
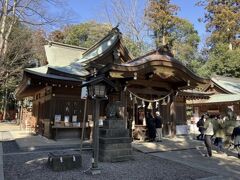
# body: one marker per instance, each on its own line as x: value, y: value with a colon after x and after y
x: 153, y: 82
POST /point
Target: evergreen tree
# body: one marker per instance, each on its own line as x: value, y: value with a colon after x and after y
x: 161, y: 18
x: 85, y: 34
x: 222, y: 61
x: 179, y: 34
x: 185, y: 43
x: 222, y: 20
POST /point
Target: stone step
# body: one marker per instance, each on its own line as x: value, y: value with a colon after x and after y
x: 116, y: 140
x: 109, y: 155
x: 115, y: 146
x: 113, y: 153
x: 114, y: 124
x: 122, y: 158
x: 113, y: 133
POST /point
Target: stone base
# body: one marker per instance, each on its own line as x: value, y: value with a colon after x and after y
x: 114, y: 141
x: 61, y: 161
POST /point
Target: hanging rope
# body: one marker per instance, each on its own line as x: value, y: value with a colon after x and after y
x: 147, y: 100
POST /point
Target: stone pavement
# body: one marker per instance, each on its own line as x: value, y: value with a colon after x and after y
x: 5, y: 136
x: 1, y: 162
x: 225, y: 167
x: 29, y: 142
x: 168, y: 144
x: 191, y: 153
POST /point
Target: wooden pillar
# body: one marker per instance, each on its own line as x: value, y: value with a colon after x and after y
x: 173, y: 116
x: 51, y: 115
x: 134, y: 113
x: 21, y: 116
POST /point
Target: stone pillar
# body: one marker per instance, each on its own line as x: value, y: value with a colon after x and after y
x: 114, y: 141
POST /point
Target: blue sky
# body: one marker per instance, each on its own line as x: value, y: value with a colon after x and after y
x: 93, y: 10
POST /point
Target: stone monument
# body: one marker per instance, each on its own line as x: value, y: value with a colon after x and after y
x: 114, y: 141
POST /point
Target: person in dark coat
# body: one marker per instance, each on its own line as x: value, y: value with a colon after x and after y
x: 159, y: 125
x: 151, y: 127
x: 200, y: 125
x: 236, y: 137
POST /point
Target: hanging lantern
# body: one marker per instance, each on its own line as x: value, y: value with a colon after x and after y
x: 150, y: 106
x: 97, y: 90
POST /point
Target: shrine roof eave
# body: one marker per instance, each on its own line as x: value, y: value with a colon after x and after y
x: 30, y: 73
x: 217, y: 98
x: 153, y: 63
x: 193, y: 94
x: 103, y: 46
x: 228, y: 85
x: 24, y: 89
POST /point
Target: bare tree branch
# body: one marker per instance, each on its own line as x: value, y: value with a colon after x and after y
x: 31, y: 13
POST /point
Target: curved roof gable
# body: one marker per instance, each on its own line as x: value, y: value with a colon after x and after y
x: 157, y: 61
x: 99, y: 49
x: 59, y: 54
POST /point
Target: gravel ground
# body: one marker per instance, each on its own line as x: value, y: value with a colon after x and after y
x: 33, y: 166
x: 10, y: 147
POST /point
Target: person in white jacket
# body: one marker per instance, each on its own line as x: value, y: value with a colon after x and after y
x: 208, y: 126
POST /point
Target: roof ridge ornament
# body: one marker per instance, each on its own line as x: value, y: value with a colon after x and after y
x: 116, y: 29
x: 165, y: 50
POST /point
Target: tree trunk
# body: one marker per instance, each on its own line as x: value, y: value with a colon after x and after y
x: 5, y: 31
x: 5, y: 104
x: 230, y: 46
x: 3, y: 26
x: 163, y: 40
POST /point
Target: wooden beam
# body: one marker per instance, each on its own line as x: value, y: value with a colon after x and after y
x: 149, y: 83
x: 148, y: 91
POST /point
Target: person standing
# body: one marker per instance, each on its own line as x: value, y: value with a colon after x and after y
x: 236, y: 137
x: 200, y: 125
x: 220, y: 134
x: 159, y: 125
x: 208, y: 126
x: 151, y: 127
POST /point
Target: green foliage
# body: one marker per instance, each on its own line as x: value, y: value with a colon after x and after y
x: 23, y: 48
x: 222, y: 20
x: 178, y: 33
x: 185, y: 42
x: 85, y: 34
x: 135, y: 48
x: 222, y: 61
x: 132, y: 47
